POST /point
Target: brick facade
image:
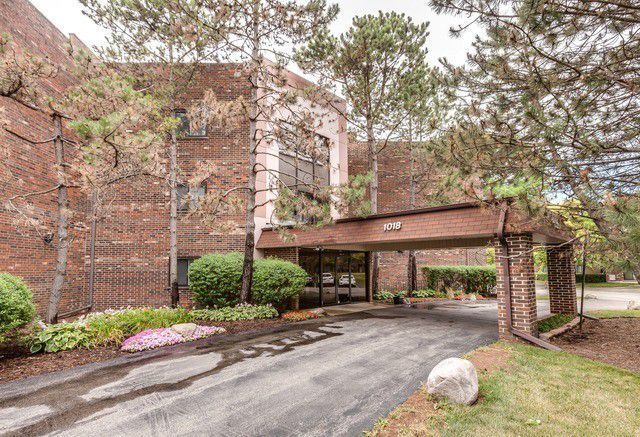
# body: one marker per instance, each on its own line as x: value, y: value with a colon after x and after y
x: 562, y: 280
x: 519, y: 251
x: 132, y: 245
x: 393, y: 195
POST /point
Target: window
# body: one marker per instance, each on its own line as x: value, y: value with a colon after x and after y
x: 186, y: 129
x: 183, y: 271
x: 189, y: 197
x: 301, y: 172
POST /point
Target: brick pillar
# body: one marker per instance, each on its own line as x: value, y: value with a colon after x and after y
x: 562, y: 280
x: 524, y: 313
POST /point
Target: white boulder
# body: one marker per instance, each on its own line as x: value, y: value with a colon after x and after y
x: 455, y: 380
x: 633, y: 305
x: 185, y: 329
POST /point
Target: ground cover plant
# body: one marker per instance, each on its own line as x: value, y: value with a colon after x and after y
x: 467, y: 279
x: 155, y: 338
x: 612, y: 314
x: 112, y: 327
x: 240, y: 312
x: 554, y: 322
x: 529, y: 391
x: 16, y: 304
x: 300, y: 315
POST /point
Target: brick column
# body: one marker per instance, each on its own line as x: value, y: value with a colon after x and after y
x: 524, y: 312
x: 562, y: 280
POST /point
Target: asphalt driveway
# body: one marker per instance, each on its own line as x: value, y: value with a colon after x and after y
x: 332, y: 376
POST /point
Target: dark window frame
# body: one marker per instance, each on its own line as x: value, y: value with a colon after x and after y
x: 189, y: 260
x: 181, y: 204
x: 185, y: 131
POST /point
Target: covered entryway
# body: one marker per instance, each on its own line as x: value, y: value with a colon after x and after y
x: 513, y: 234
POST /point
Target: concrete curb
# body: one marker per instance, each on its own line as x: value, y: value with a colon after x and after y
x: 561, y: 330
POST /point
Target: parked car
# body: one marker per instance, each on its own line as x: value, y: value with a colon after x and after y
x: 345, y: 280
x: 327, y: 278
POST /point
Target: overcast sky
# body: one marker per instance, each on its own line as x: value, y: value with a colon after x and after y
x: 67, y: 16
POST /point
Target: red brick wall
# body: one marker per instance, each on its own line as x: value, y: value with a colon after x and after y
x: 562, y: 280
x: 394, y: 180
x: 133, y: 252
x: 523, y: 288
x: 26, y: 168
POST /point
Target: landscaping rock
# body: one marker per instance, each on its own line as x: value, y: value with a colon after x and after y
x: 633, y: 305
x: 455, y: 380
x: 185, y: 329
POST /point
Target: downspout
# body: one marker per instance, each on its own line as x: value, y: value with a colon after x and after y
x: 506, y: 269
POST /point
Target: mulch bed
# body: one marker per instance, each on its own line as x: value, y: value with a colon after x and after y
x: 613, y: 341
x: 17, y: 362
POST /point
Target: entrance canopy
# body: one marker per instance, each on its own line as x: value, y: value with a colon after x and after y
x: 449, y: 226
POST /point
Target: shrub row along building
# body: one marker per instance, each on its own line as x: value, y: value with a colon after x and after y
x: 132, y: 243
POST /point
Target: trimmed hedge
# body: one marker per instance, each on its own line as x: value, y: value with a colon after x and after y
x: 216, y: 280
x: 593, y: 278
x: 468, y: 279
x: 16, y: 304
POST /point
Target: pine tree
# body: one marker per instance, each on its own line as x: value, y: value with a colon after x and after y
x: 377, y: 64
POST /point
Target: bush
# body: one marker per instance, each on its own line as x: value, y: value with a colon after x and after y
x: 542, y: 277
x: 241, y: 312
x: 108, y: 327
x: 421, y: 294
x: 16, y: 304
x: 275, y: 281
x: 216, y: 280
x: 467, y: 279
x: 383, y: 295
x: 60, y: 337
x: 112, y: 327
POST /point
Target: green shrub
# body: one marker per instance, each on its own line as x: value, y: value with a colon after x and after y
x: 275, y: 281
x: 553, y: 322
x: 428, y: 293
x: 467, y: 279
x: 16, y: 304
x: 383, y: 295
x: 241, y: 312
x: 113, y: 327
x: 542, y: 277
x: 593, y: 278
x: 60, y: 337
x: 216, y: 280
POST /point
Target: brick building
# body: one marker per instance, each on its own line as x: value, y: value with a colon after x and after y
x: 394, y: 181
x: 132, y: 251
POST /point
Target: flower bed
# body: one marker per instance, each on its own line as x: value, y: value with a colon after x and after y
x: 155, y: 338
x: 300, y: 315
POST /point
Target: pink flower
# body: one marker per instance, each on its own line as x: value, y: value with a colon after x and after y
x: 154, y: 338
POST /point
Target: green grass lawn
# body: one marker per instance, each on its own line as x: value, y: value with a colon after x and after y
x: 537, y: 393
x: 612, y: 314
x: 610, y: 285
x: 553, y: 322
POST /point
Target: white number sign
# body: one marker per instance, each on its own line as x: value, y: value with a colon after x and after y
x: 393, y: 226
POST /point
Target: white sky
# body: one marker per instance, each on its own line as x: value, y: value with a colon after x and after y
x: 67, y: 16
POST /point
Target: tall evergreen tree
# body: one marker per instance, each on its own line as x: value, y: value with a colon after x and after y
x: 378, y: 64
x: 550, y: 102
x: 164, y: 47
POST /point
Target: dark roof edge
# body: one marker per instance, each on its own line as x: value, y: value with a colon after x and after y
x: 453, y: 206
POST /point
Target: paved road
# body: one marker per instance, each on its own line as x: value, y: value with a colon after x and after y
x: 597, y: 298
x: 333, y: 376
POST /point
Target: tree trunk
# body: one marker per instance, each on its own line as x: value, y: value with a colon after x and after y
x: 63, y: 225
x: 173, y: 220
x: 412, y: 268
x: 173, y: 199
x: 373, y: 193
x: 250, y: 223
